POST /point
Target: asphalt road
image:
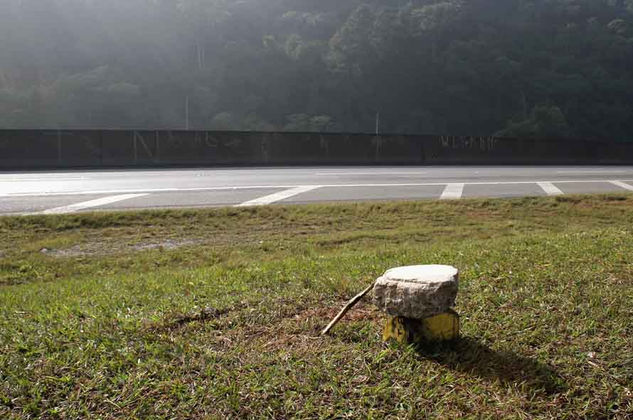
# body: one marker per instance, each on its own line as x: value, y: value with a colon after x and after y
x: 74, y: 191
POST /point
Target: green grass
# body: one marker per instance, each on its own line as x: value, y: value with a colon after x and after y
x: 217, y: 313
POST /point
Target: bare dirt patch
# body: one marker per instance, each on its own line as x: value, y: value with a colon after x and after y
x: 89, y: 249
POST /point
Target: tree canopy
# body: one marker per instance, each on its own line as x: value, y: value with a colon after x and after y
x: 458, y: 67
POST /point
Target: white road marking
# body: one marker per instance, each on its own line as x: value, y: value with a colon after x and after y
x: 452, y: 192
x: 49, y: 179
x: 376, y: 173
x: 282, y: 195
x: 90, y: 204
x: 596, y: 172
x: 549, y: 188
x: 622, y: 185
x: 145, y: 190
x: 272, y: 187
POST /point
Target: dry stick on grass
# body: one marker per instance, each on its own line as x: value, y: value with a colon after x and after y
x: 347, y: 307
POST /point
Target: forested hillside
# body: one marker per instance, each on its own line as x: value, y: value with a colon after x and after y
x: 459, y: 67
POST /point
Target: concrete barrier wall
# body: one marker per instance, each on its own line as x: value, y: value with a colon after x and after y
x: 35, y: 149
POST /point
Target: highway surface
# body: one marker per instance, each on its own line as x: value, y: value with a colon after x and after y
x: 60, y: 192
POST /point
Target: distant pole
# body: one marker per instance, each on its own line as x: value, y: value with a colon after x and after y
x: 187, y: 113
x: 378, y: 139
x: 59, y: 147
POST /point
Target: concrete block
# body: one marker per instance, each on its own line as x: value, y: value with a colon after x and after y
x: 417, y: 292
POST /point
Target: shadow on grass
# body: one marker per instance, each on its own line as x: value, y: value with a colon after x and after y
x: 473, y: 357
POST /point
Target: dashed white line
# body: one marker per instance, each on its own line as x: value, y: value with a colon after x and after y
x: 90, y: 204
x: 452, y: 192
x: 282, y: 195
x: 549, y: 188
x: 622, y: 185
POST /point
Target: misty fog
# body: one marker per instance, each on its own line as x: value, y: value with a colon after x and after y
x: 479, y: 67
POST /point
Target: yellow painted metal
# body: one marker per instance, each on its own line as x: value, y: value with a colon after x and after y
x: 396, y: 329
x: 442, y: 327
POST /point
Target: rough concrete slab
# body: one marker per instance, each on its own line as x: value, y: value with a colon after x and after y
x: 417, y: 292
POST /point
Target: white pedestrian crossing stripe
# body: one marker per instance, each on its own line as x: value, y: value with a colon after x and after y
x: 622, y: 185
x: 273, y: 198
x: 549, y: 188
x: 453, y: 192
x: 91, y: 204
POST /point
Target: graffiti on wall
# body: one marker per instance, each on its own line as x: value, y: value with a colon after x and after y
x: 481, y: 143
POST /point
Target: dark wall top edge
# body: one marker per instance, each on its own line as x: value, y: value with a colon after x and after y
x: 311, y: 133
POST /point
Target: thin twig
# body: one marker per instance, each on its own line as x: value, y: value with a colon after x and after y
x: 347, y: 307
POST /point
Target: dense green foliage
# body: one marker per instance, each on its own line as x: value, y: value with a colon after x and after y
x: 476, y: 67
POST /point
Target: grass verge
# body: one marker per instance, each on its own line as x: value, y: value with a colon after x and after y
x: 216, y: 313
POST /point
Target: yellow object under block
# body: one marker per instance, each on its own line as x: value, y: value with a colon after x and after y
x: 442, y: 327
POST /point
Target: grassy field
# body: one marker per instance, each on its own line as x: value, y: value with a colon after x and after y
x: 217, y: 313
